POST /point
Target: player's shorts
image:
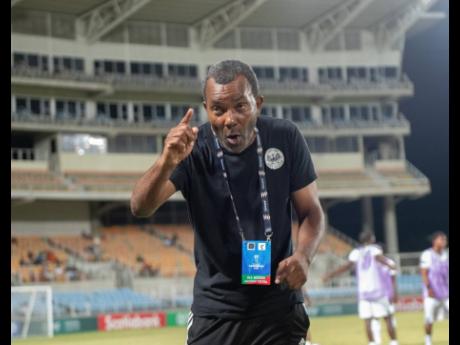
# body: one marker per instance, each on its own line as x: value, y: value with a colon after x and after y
x: 391, y: 309
x: 288, y: 329
x: 378, y: 308
x: 432, y: 308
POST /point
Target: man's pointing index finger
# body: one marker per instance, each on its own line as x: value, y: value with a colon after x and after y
x: 187, y: 117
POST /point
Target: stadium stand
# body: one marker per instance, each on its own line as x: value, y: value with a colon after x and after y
x: 128, y: 243
x: 103, y: 301
x: 103, y: 180
x: 31, y: 254
x: 36, y: 179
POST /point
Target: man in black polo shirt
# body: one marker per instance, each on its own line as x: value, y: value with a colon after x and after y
x: 239, y: 174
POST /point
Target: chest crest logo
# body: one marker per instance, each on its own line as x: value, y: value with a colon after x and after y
x: 274, y: 158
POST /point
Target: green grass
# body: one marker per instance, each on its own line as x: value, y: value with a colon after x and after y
x: 341, y: 330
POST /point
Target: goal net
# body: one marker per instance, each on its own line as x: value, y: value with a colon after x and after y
x: 31, y: 311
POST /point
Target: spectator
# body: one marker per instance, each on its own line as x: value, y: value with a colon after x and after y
x: 147, y: 270
x: 71, y: 273
x: 86, y: 235
x: 97, y: 251
x: 51, y: 257
x: 32, y: 276
x: 123, y: 275
x: 30, y: 257
x: 59, y: 272
x: 40, y: 258
x: 174, y: 239
x: 46, y: 275
x: 14, y: 241
x: 23, y: 262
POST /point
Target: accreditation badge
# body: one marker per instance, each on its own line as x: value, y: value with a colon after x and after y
x: 256, y: 263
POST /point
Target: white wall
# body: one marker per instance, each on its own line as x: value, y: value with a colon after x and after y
x: 49, y: 217
x: 390, y: 164
x: 338, y: 161
x: 139, y: 163
x: 110, y: 162
x: 29, y: 165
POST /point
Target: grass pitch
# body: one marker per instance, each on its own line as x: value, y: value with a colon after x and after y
x: 340, y: 330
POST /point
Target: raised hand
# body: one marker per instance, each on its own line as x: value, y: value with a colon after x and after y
x: 180, y: 140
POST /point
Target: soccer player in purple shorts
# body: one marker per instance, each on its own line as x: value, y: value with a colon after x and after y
x: 373, y: 301
x: 434, y: 267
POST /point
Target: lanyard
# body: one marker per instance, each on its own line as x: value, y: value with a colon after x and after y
x: 263, y: 185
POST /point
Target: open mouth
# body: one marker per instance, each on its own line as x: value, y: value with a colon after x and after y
x: 233, y: 139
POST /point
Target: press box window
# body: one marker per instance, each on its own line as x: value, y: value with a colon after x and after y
x: 83, y: 144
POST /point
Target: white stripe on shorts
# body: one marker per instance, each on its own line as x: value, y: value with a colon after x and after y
x: 189, y: 324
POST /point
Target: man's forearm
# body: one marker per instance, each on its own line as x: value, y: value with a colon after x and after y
x: 311, y: 231
x: 148, y: 192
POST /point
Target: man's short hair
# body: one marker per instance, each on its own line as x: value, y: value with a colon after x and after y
x: 366, y: 236
x: 437, y: 234
x: 226, y: 71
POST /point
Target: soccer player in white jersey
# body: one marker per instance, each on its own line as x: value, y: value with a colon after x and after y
x: 373, y: 301
x: 434, y: 267
x: 388, y: 277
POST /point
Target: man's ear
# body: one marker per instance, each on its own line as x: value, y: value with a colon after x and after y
x: 259, y: 102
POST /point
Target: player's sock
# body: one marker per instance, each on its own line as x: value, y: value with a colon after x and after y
x: 372, y: 343
x: 393, y: 342
x: 308, y: 342
x: 428, y: 339
x: 393, y: 321
x: 375, y: 327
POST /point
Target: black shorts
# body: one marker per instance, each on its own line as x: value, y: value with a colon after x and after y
x: 288, y: 329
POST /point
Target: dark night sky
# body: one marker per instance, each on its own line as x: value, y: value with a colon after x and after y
x: 426, y: 62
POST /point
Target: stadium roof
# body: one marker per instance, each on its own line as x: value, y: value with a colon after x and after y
x: 300, y: 14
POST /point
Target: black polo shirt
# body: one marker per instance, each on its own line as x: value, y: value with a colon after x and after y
x: 218, y: 291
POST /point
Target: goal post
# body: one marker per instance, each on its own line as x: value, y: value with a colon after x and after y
x: 31, y: 311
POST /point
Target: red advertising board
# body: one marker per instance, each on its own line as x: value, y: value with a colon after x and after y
x: 109, y: 322
x: 409, y: 303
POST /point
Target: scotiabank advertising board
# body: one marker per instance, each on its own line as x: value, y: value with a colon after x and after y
x: 409, y: 303
x: 110, y: 322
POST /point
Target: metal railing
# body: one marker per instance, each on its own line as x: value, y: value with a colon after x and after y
x: 399, y: 122
x: 94, y: 121
x: 416, y: 172
x: 118, y: 80
x: 191, y: 84
x: 29, y: 72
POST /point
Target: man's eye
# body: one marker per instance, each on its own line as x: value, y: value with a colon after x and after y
x: 217, y: 110
x: 241, y: 106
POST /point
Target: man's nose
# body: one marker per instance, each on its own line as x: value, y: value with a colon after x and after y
x: 230, y: 118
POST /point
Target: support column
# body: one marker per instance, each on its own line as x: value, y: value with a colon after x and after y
x: 402, y: 149
x: 367, y: 215
x: 325, y: 207
x: 390, y: 225
x: 95, y: 223
x: 316, y: 112
x: 53, y: 108
x: 90, y: 109
x: 130, y: 109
